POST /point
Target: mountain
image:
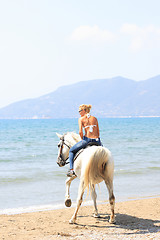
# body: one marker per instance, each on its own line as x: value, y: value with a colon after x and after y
x: 113, y: 97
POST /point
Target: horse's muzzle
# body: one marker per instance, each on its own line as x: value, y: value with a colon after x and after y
x: 60, y: 162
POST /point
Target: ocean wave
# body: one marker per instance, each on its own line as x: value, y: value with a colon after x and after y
x: 139, y: 171
x: 154, y: 168
x: 50, y: 176
x: 40, y: 208
x: 10, y: 211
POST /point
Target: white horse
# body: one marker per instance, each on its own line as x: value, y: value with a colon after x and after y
x: 92, y: 166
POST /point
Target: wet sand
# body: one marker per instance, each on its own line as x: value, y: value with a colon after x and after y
x: 136, y: 219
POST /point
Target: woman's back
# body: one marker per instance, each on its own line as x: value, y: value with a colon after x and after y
x: 90, y: 125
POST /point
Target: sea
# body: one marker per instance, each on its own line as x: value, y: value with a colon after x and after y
x: 31, y: 180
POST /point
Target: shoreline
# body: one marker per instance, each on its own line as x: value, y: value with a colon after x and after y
x: 52, y: 207
x: 135, y: 219
x: 48, y: 118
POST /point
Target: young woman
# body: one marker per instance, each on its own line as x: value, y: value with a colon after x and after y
x: 90, y: 125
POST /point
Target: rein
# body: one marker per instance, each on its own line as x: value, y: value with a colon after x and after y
x: 64, y: 161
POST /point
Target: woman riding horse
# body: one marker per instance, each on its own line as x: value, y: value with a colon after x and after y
x: 91, y: 128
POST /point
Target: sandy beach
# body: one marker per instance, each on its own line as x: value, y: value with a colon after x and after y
x: 135, y: 219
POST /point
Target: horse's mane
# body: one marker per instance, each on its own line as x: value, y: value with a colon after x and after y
x: 73, y: 135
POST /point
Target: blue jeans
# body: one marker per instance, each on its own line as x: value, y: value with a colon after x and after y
x: 82, y: 144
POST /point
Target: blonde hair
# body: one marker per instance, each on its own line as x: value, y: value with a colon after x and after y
x: 85, y: 107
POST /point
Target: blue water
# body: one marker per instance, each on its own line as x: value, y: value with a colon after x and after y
x: 30, y: 179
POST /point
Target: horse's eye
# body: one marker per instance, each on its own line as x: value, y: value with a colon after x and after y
x: 58, y: 145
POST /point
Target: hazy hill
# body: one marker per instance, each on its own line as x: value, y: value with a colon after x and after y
x: 110, y: 98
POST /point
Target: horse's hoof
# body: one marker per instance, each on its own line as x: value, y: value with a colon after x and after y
x: 71, y: 221
x: 96, y: 215
x: 68, y: 202
x: 112, y: 221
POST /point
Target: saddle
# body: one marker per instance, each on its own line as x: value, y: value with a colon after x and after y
x: 90, y: 144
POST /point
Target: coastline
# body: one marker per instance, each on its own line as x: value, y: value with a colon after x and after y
x: 135, y: 219
x: 50, y: 118
x: 60, y: 206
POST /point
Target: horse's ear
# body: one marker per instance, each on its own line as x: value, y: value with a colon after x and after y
x: 59, y: 135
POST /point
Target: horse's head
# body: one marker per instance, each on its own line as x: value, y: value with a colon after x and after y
x: 63, y: 150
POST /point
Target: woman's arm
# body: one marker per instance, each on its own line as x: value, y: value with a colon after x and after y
x: 97, y: 126
x: 80, y: 128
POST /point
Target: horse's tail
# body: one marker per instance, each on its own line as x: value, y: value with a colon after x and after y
x: 98, y: 164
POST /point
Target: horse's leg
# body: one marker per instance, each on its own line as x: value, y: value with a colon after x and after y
x: 94, y: 197
x: 109, y: 184
x: 79, y: 201
x: 68, y: 201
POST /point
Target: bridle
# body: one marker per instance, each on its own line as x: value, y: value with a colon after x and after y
x: 61, y: 162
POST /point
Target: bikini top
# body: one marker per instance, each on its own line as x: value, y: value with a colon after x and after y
x: 90, y: 126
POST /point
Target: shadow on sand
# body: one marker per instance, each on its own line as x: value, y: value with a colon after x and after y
x: 126, y: 222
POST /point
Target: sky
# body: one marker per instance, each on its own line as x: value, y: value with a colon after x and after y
x: 45, y: 44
